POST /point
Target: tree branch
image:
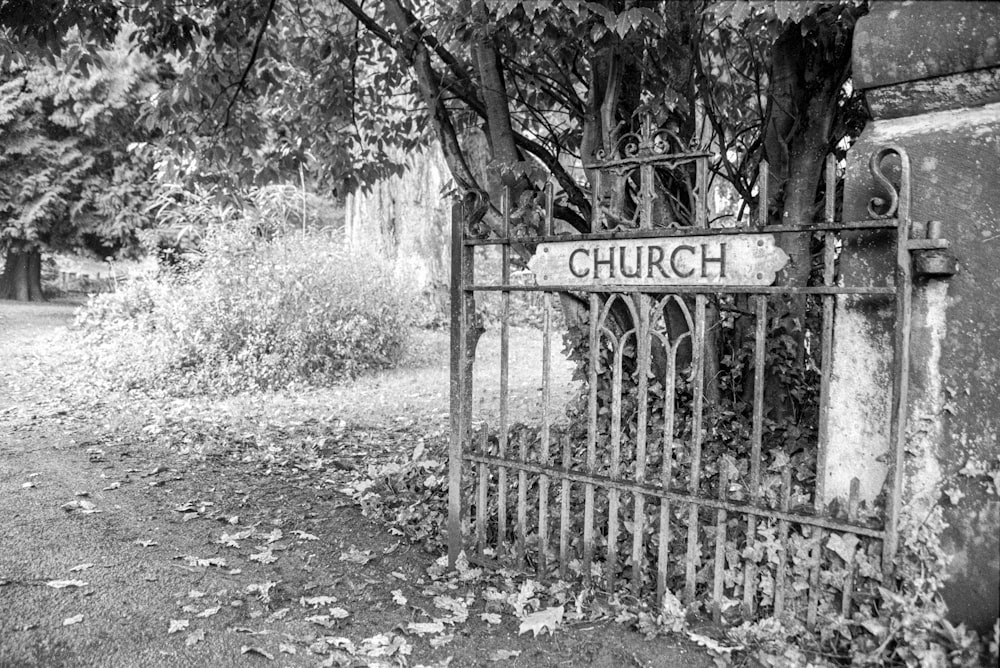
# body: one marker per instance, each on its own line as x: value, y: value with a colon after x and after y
x: 253, y: 58
x: 414, y: 52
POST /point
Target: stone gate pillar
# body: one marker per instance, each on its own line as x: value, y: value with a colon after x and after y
x: 931, y: 76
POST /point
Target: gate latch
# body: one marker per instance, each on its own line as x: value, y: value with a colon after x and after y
x: 931, y: 256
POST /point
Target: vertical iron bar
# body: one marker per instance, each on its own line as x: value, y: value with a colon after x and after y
x: 826, y: 340
x: 504, y: 376
x: 698, y: 383
x: 697, y: 391
x: 588, y: 499
x: 720, y: 545
x: 615, y: 470
x: 701, y: 193
x: 482, y: 495
x: 759, y: 361
x: 647, y: 175
x: 522, y: 500
x: 779, y: 574
x: 763, y: 177
x: 852, y: 517
x: 900, y: 363
x: 456, y: 390
x: 639, y: 517
x: 595, y: 304
x: 816, y: 557
x: 543, y: 481
x: 564, y: 518
x: 826, y: 366
x: 666, y: 471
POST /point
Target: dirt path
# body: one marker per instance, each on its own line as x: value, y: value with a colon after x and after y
x: 166, y: 553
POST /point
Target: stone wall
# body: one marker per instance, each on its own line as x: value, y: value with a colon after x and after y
x: 931, y: 73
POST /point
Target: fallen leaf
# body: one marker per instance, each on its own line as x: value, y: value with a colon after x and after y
x: 345, y: 644
x: 178, y: 625
x: 490, y: 617
x: 423, y: 628
x: 339, y: 613
x: 316, y: 601
x: 62, y: 584
x: 357, y: 556
x: 302, y: 535
x: 114, y: 485
x: 711, y: 644
x: 208, y: 612
x: 322, y: 620
x: 539, y: 622
x: 230, y: 539
x: 382, y: 645
x: 397, y: 597
x: 265, y: 557
x: 75, y: 619
x: 256, y: 650
x: 194, y: 593
x: 438, y: 641
x: 203, y: 563
x: 874, y: 627
x: 82, y: 505
x: 194, y: 637
x: 456, y: 606
x: 504, y: 654
x: 81, y: 567
x: 274, y: 536
x: 844, y: 545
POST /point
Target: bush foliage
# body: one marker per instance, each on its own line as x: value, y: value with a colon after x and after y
x: 251, y: 313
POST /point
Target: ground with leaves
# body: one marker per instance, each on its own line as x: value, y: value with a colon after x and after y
x: 147, y: 530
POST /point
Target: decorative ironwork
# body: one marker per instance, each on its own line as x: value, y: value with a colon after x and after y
x: 645, y: 179
x: 650, y: 143
x: 657, y: 500
x: 875, y: 167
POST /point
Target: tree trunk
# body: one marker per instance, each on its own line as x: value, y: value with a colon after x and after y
x: 22, y: 276
x: 802, y: 109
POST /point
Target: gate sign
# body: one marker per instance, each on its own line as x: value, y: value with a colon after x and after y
x: 723, y: 260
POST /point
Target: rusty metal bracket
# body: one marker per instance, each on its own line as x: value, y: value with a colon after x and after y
x: 931, y: 256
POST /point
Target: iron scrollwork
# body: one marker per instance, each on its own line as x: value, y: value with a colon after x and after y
x: 887, y: 207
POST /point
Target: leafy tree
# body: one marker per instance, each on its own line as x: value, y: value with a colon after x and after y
x: 67, y: 179
x: 340, y: 86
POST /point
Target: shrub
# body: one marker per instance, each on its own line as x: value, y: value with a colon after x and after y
x: 253, y: 314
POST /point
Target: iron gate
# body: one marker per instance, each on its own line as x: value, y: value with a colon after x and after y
x: 644, y: 467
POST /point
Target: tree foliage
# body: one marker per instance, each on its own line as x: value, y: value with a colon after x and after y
x: 67, y: 178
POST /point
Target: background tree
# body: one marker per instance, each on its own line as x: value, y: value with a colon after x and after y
x: 67, y: 177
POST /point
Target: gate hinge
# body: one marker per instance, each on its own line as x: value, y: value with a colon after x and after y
x: 931, y: 256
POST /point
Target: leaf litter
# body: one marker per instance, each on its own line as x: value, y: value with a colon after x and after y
x: 532, y: 604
